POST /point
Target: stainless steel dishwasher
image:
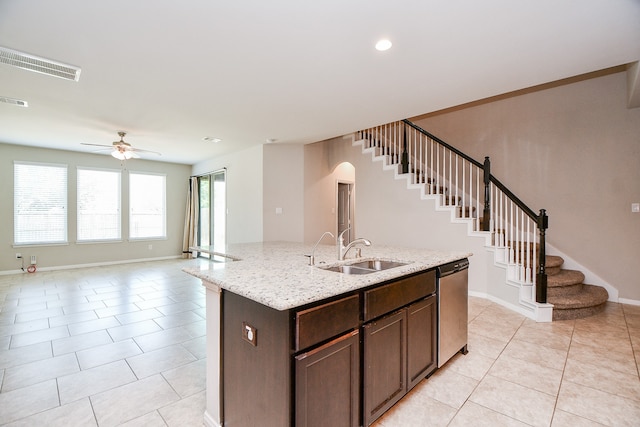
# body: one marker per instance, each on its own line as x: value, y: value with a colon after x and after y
x: 453, y: 309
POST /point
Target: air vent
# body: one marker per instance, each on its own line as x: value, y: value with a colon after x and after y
x: 39, y: 65
x: 12, y: 101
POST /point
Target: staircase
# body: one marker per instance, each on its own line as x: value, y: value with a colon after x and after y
x: 571, y: 298
x: 511, y: 230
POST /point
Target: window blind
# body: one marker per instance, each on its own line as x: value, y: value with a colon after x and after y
x: 40, y: 203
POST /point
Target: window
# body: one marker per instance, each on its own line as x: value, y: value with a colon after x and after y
x: 98, y: 205
x: 147, y: 195
x: 39, y: 203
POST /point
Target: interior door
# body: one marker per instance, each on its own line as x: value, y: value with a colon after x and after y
x: 345, y: 210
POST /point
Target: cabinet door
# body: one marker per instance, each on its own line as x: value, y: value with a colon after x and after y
x: 384, y: 364
x: 421, y: 340
x: 328, y: 384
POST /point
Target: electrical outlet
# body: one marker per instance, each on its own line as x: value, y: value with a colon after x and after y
x: 249, y: 334
x: 150, y: 247
x: 18, y: 255
x: 33, y: 260
x: 635, y: 207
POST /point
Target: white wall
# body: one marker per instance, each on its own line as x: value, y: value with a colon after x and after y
x: 244, y: 192
x: 90, y: 253
x: 283, y: 189
x: 573, y: 150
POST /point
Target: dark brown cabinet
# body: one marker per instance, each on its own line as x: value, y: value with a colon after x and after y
x: 385, y: 364
x: 328, y: 384
x: 340, y: 362
x: 422, y: 340
x: 400, y: 349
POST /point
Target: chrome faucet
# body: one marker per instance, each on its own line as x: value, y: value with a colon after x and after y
x: 312, y: 259
x: 342, y: 249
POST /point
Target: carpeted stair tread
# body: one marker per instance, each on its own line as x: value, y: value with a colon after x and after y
x: 565, y: 278
x: 552, y: 261
x: 591, y: 300
x: 553, y: 264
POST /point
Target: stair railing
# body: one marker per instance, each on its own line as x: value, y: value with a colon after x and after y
x: 458, y: 180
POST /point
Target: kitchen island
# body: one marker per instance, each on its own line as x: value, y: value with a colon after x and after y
x: 269, y: 313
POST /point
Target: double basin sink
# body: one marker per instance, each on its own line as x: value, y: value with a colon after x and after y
x: 365, y: 267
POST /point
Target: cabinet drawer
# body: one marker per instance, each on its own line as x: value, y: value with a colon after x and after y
x: 325, y: 321
x: 384, y: 299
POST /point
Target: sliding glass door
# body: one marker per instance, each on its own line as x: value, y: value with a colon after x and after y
x: 212, y: 227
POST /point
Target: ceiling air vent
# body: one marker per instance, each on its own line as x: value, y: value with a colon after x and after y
x: 12, y: 101
x: 38, y: 64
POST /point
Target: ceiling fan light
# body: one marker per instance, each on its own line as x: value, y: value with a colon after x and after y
x: 118, y: 155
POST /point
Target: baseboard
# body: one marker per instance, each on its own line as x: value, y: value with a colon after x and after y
x: 512, y: 307
x: 9, y: 272
x: 208, y: 420
x: 93, y: 264
x: 628, y: 301
x: 541, y: 313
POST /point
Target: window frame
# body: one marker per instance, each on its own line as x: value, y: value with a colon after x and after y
x: 116, y: 239
x: 63, y: 196
x: 163, y: 236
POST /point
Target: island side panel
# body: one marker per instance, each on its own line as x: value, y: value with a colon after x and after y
x: 256, y: 378
x: 213, y: 413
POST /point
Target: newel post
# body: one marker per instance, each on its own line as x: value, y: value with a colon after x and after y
x: 405, y: 153
x: 486, y: 214
x: 541, y: 279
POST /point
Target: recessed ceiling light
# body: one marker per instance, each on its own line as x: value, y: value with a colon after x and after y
x: 211, y: 139
x: 383, y: 45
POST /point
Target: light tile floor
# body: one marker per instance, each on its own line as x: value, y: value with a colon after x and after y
x: 522, y: 373
x: 125, y: 345
x: 116, y: 345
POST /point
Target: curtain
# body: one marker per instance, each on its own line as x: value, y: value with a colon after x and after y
x: 191, y: 219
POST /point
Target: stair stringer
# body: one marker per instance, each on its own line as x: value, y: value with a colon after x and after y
x: 517, y: 295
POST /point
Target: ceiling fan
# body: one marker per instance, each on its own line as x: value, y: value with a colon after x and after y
x: 123, y: 150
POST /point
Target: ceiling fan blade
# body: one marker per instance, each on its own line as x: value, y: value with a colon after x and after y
x: 144, y: 151
x: 96, y: 145
x: 122, y: 147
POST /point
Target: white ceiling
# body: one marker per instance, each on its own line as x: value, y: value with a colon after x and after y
x: 170, y: 73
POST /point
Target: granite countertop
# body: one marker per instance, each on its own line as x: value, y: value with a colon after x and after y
x: 277, y: 274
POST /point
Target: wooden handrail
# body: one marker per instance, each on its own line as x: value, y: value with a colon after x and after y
x: 409, y: 155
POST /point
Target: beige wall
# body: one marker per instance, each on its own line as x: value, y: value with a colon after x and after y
x: 325, y: 164
x: 283, y: 190
x: 389, y: 214
x: 90, y: 253
x: 244, y: 192
x: 573, y: 150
